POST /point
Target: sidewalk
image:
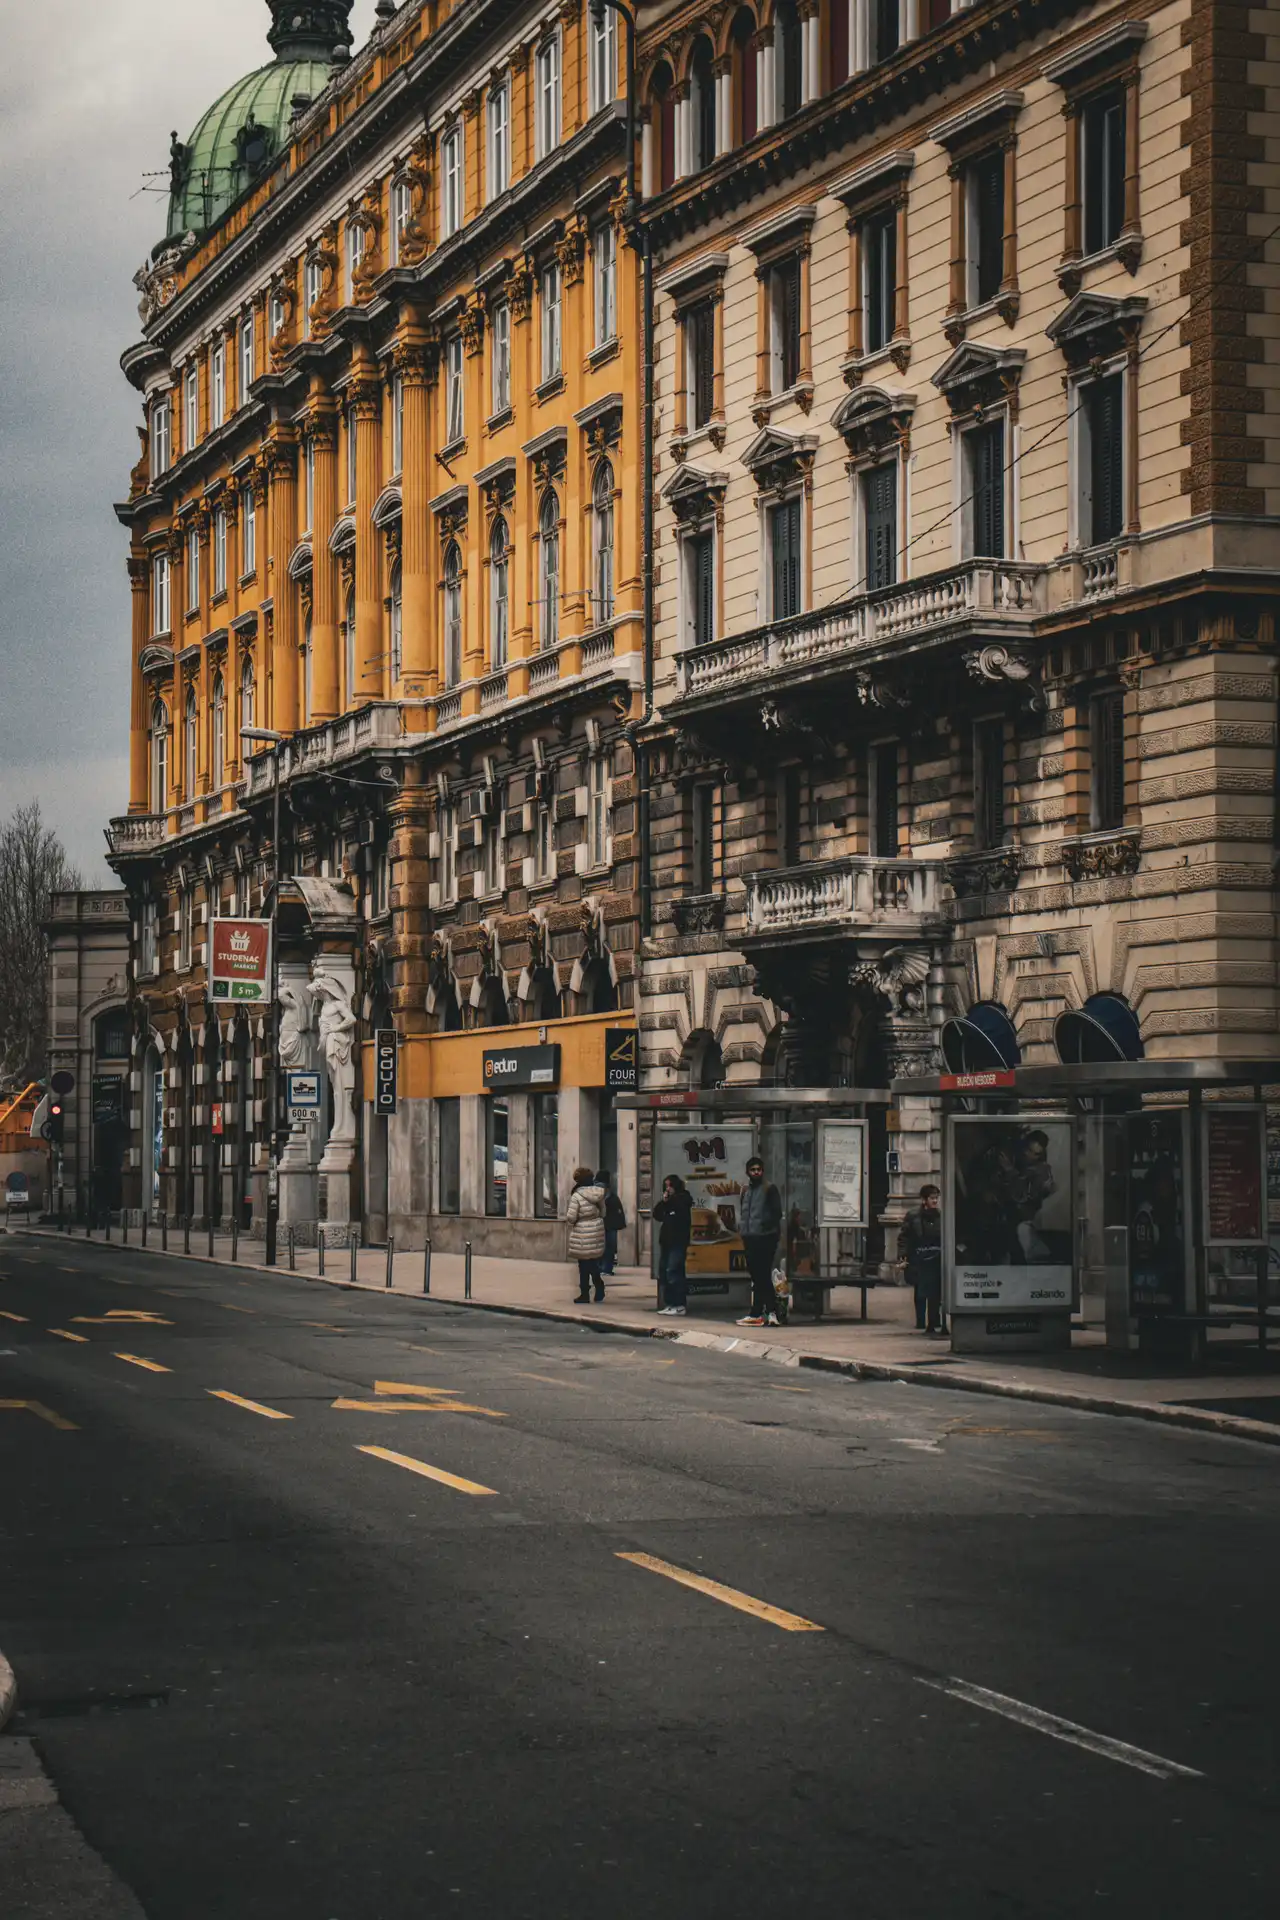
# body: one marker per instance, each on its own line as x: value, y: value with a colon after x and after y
x: 1240, y: 1396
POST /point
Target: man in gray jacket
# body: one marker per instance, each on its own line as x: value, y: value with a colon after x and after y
x: 760, y: 1223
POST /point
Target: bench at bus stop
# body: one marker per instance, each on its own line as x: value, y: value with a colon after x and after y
x: 812, y: 1291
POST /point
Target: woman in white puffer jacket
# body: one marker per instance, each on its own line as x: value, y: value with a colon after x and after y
x: 585, y: 1215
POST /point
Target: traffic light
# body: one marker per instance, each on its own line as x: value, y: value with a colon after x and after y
x: 54, y: 1124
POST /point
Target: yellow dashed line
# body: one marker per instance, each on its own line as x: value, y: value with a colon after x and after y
x: 62, y: 1334
x: 428, y: 1473
x: 729, y: 1596
x: 136, y: 1360
x: 41, y: 1413
x: 250, y: 1406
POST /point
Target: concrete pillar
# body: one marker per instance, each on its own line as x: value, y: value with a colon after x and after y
x: 766, y: 104
x: 282, y: 533
x: 724, y: 105
x: 809, y: 45
x: 579, y: 1136
x: 323, y: 431
x: 473, y: 1172
x: 520, y: 1169
x: 414, y: 364
x: 298, y: 1161
x: 365, y: 394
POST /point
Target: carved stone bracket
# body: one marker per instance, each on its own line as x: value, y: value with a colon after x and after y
x: 999, y: 663
x: 994, y: 870
x: 1103, y: 856
x: 699, y: 913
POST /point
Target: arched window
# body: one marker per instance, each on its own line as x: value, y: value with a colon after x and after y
x: 349, y: 645
x: 218, y: 734
x: 397, y: 624
x: 306, y: 671
x: 788, y: 60
x: 452, y: 615
x: 190, y: 744
x: 499, y: 593
x: 745, y: 110
x: 549, y: 570
x: 662, y: 125
x: 602, y: 543
x: 159, y: 757
x: 246, y: 694
x: 702, y: 80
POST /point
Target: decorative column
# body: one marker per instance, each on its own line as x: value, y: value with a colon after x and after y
x: 321, y: 429
x: 766, y: 102
x: 333, y: 987
x: 647, y: 182
x: 810, y: 50
x: 365, y: 397
x: 140, y: 703
x: 722, y: 68
x: 682, y: 106
x: 282, y: 467
x: 298, y: 1051
x: 414, y: 363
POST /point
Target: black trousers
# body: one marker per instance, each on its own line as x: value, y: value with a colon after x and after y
x: 760, y: 1249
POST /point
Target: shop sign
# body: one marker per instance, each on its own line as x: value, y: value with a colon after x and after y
x: 712, y: 1162
x: 975, y: 1082
x: 215, y: 1118
x: 1008, y: 1225
x: 108, y: 1106
x: 240, y: 960
x: 842, y: 1184
x: 621, y: 1059
x: 386, y: 1083
x: 1233, y: 1155
x: 521, y: 1067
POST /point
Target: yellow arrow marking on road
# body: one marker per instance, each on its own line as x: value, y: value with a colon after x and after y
x: 136, y: 1360
x: 412, y: 1406
x: 41, y: 1413
x: 62, y: 1334
x: 444, y: 1396
x: 114, y: 1315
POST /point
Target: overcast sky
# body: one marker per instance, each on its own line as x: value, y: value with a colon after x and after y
x: 89, y: 91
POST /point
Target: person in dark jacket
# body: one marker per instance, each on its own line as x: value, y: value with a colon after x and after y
x: 760, y: 1223
x: 920, y: 1246
x: 674, y: 1214
x: 615, y: 1219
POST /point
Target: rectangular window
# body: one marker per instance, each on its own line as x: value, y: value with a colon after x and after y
x: 784, y: 539
x: 451, y: 183
x: 184, y: 929
x: 312, y: 280
x: 356, y: 240
x: 491, y: 851
x: 455, y: 417
x: 548, y: 97
x: 604, y: 249
x: 986, y: 227
x: 984, y: 463
x: 161, y: 438
x: 789, y: 799
x: 546, y: 1155
x: 397, y: 425
x: 248, y: 351
x: 160, y: 610
x: 381, y: 883
x: 499, y: 140
x: 500, y: 348
x: 351, y: 456
x: 190, y: 407
x: 551, y: 362
x: 784, y: 324
x: 700, y: 347
x: 700, y: 561
x: 884, y: 804
x: 448, y: 854
x: 448, y: 1156
x: 220, y: 551
x: 248, y: 531
x: 1106, y: 730
x: 988, y: 783
x: 880, y: 525
x: 193, y: 570
x: 1101, y: 460
x: 702, y: 829
x: 401, y: 210
x: 149, y: 955
x: 543, y: 843
x: 597, y: 811
x: 218, y: 384
x: 497, y: 1134
x: 879, y: 280
x: 309, y: 484
x: 1102, y: 143
x: 604, y: 59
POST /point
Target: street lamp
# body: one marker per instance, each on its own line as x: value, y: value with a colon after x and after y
x: 269, y: 738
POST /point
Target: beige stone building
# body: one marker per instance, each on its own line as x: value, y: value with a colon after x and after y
x: 968, y: 468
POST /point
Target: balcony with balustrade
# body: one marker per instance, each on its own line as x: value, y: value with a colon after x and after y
x: 895, y: 899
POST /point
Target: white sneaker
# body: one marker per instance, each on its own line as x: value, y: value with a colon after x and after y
x: 679, y: 1310
x: 666, y: 1312
x: 773, y: 1321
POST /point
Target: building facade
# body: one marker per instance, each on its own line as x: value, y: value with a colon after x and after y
x: 387, y: 509
x: 90, y: 1038
x: 968, y: 469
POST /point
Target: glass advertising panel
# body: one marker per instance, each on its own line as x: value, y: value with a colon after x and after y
x: 1233, y: 1149
x: 1009, y: 1219
x: 712, y: 1162
x: 1158, y: 1238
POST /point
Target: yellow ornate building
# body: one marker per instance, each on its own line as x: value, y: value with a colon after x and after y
x: 387, y: 507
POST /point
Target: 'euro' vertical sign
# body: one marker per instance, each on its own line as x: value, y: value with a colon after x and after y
x: 385, y: 1068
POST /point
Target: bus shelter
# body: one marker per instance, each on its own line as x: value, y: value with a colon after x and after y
x: 1132, y: 1194
x: 824, y: 1148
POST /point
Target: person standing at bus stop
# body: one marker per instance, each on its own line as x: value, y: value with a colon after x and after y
x: 920, y: 1246
x: 760, y: 1223
x: 674, y: 1215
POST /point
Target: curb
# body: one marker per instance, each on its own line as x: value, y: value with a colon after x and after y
x: 8, y: 1692
x: 1230, y: 1426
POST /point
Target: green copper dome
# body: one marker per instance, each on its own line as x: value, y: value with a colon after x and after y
x: 244, y: 131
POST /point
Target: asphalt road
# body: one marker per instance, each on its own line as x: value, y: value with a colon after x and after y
x: 274, y: 1674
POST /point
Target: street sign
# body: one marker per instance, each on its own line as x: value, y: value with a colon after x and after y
x: 521, y: 1067
x: 302, y: 1092
x: 385, y: 1070
x: 240, y: 960
x: 215, y: 1118
x: 621, y: 1059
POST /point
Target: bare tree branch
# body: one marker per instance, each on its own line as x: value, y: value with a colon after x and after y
x: 33, y: 865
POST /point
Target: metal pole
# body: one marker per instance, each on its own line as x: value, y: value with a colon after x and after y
x: 106, y: 1234
x: 164, y: 1233
x: 124, y: 1226
x: 467, y: 1279
x: 211, y: 1236
x: 355, y: 1247
x: 320, y: 1250
x: 391, y: 1257
x: 273, y: 1028
x: 144, y: 1226
x: 88, y: 1224
x: 426, y: 1265
x: 186, y: 1233
x: 293, y: 1251
x: 235, y: 1238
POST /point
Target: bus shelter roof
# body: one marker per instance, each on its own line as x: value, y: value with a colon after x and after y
x: 1051, y: 1080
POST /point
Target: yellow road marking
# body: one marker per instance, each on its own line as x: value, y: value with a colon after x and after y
x: 41, y: 1413
x: 774, y: 1389
x: 231, y: 1307
x: 136, y: 1360
x: 549, y: 1380
x: 21, y: 1318
x: 68, y: 1269
x: 412, y: 1406
x: 113, y: 1315
x: 428, y: 1473
x: 324, y: 1325
x: 442, y: 1399
x: 250, y: 1406
x: 777, y: 1616
x: 62, y: 1334
x: 1013, y: 1433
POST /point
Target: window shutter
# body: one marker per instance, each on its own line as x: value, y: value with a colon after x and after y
x: 1108, y: 760
x: 786, y: 559
x: 704, y: 605
x: 880, y: 492
x: 886, y: 821
x: 989, y: 208
x: 704, y: 364
x: 790, y: 322
x: 987, y: 483
x: 1106, y: 458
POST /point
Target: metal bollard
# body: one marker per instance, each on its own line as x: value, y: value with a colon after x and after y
x: 391, y: 1257
x: 426, y: 1265
x: 293, y: 1251
x: 186, y: 1234
x: 144, y: 1226
x: 235, y: 1238
x: 107, y: 1233
x: 211, y: 1236
x: 164, y: 1233
x: 355, y: 1248
x: 466, y: 1285
x: 88, y: 1226
x: 320, y: 1251
x: 124, y: 1226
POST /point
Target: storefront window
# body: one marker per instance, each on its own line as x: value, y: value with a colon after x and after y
x: 496, y: 1134
x: 448, y: 1183
x: 609, y: 1135
x: 546, y: 1153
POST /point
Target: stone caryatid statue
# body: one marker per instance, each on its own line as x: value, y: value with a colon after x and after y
x: 296, y: 1014
x: 337, y: 1030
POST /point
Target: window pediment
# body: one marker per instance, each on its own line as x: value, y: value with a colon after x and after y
x: 790, y: 228
x: 300, y: 561
x: 156, y: 659
x: 387, y: 508
x: 1106, y: 50
x: 975, y: 125
x: 691, y: 493
x: 1095, y: 326
x: 974, y: 376
x: 776, y: 458
x: 872, y: 420
x: 877, y: 177
x: 343, y: 537
x: 704, y: 274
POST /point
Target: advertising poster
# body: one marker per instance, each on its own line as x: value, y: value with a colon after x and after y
x: 1011, y: 1226
x: 712, y: 1162
x: 1157, y: 1213
x: 843, y: 1188
x: 240, y: 960
x: 1235, y: 1211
